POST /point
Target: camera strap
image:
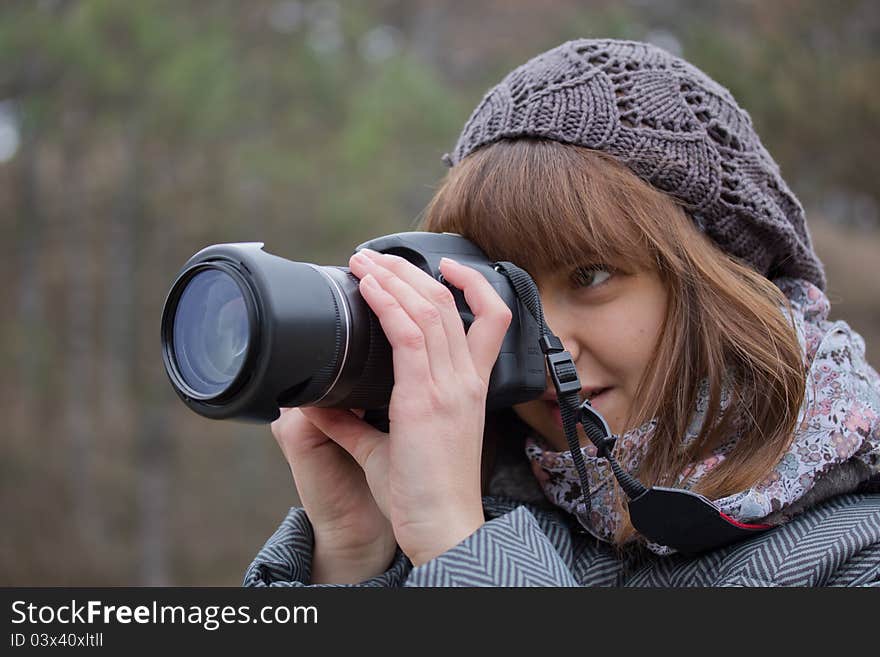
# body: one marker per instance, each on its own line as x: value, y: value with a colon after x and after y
x: 674, y: 517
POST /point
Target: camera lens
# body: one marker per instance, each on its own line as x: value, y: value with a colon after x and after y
x: 210, y: 332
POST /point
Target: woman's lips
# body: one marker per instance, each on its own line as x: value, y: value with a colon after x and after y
x: 557, y: 413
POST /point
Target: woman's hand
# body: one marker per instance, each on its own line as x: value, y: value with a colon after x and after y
x: 353, y: 538
x: 425, y: 474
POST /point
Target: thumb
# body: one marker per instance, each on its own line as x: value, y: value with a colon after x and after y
x: 347, y: 430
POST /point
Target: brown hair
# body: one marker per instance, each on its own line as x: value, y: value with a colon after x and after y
x: 545, y: 205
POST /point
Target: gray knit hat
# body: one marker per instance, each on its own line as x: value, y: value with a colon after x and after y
x: 669, y: 123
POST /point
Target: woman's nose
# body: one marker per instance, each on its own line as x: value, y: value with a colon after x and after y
x: 563, y: 327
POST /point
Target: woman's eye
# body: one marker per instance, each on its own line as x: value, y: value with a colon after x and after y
x: 591, y: 276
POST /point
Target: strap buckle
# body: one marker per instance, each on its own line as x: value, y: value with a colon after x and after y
x: 559, y: 363
x: 563, y: 372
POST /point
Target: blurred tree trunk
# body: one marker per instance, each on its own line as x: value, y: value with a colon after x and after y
x: 119, y: 268
x: 148, y: 255
x: 31, y: 295
x: 79, y: 329
x: 153, y: 456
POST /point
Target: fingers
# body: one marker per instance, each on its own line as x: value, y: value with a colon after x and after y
x: 347, y: 430
x: 415, y: 316
x: 428, y: 306
x: 492, y: 316
x: 280, y: 422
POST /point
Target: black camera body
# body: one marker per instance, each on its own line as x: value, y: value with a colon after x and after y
x: 245, y: 332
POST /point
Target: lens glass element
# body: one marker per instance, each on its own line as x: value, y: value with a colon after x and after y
x: 211, y: 331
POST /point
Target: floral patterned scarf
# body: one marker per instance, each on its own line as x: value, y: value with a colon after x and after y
x: 838, y: 440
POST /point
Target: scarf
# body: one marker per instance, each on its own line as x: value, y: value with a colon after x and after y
x: 835, y: 448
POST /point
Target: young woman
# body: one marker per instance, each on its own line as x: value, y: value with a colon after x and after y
x: 675, y: 265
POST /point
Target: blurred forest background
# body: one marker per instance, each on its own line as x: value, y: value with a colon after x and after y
x: 133, y: 134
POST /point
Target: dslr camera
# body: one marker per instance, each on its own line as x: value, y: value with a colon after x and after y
x: 245, y: 332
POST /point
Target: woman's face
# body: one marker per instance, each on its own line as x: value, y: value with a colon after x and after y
x: 610, y: 322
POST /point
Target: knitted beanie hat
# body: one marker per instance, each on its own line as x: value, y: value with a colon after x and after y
x: 671, y: 125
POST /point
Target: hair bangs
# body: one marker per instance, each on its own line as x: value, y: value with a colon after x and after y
x: 544, y: 206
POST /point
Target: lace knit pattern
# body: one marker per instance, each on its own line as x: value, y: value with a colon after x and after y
x: 669, y: 123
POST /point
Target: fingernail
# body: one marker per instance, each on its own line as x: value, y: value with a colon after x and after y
x: 442, y: 260
x: 369, y: 252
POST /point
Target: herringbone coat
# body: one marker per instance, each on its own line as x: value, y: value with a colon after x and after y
x: 836, y: 543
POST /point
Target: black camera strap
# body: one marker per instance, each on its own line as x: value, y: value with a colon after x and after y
x: 673, y: 517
